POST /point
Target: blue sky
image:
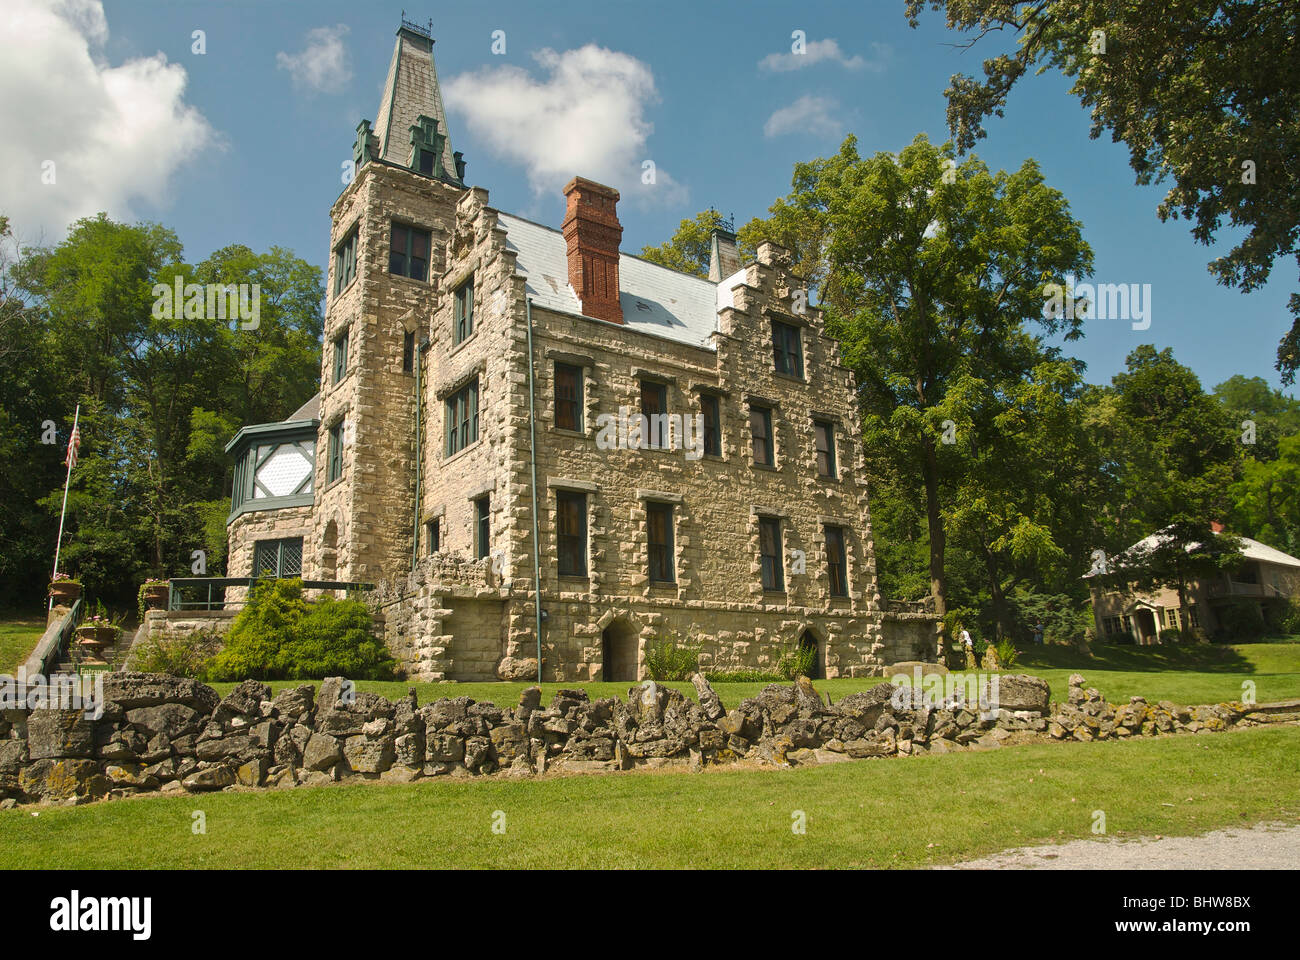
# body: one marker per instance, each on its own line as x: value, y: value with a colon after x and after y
x: 267, y: 168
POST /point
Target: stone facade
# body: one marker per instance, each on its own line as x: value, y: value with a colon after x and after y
x: 469, y: 608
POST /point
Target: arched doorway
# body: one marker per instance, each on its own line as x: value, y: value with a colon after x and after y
x: 619, y: 649
x: 809, y: 641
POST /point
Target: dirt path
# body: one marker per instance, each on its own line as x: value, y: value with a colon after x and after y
x: 1268, y: 846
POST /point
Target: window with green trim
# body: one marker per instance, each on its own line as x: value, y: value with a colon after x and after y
x: 769, y: 548
x: 345, y: 263
x: 408, y: 252
x: 462, y: 324
x: 278, y: 558
x: 462, y: 417
x: 335, y: 467
x: 836, y: 564
x: 341, y: 356
x: 787, y: 350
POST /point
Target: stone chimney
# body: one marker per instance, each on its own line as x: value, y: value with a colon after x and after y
x: 592, y: 234
x: 724, y: 255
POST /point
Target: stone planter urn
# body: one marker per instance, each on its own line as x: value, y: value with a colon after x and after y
x: 156, y: 596
x: 92, y: 639
x: 64, y: 592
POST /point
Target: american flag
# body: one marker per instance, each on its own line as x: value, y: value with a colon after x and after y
x: 74, y: 443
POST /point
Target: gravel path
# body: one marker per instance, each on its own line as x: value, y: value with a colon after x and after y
x: 1268, y: 846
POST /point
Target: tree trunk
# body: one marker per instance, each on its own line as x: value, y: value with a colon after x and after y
x: 930, y: 473
x: 1000, y: 618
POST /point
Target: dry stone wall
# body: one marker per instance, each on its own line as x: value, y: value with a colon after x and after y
x: 170, y: 734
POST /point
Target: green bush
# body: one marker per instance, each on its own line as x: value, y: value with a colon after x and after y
x: 1007, y: 653
x: 800, y: 662
x: 1171, y: 635
x: 189, y: 655
x: 744, y: 676
x: 281, y: 636
x: 1240, y: 619
x: 1285, y: 617
x: 666, y: 658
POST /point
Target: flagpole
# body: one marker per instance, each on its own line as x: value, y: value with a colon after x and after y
x: 76, y: 417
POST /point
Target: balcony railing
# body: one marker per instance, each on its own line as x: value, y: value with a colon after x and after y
x: 212, y: 590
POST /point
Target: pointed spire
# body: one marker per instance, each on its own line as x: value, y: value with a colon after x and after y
x: 411, y: 116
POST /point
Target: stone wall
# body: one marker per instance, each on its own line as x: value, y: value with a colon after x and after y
x: 165, y: 733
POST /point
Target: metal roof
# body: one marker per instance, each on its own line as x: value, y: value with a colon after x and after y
x: 655, y: 300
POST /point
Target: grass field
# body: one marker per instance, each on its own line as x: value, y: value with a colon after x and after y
x: 883, y: 813
x: 18, y: 636
x: 1186, y: 674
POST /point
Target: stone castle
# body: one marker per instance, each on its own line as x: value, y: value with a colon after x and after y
x: 539, y: 448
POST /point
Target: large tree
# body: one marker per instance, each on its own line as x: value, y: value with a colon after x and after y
x: 161, y: 390
x: 936, y: 271
x: 1205, y: 94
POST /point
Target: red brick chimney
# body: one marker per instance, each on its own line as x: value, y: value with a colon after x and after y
x: 592, y: 234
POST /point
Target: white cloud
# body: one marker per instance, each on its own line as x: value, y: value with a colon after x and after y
x: 114, y: 134
x: 808, y: 116
x: 586, y: 117
x: 828, y: 50
x: 322, y: 66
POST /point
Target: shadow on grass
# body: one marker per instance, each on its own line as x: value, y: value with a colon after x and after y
x: 1199, y: 657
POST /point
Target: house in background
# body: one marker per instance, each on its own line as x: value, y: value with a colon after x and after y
x: 1266, y: 576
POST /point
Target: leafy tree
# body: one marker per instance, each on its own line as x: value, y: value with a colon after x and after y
x: 689, y: 247
x: 1205, y: 93
x: 1266, y: 500
x: 936, y: 270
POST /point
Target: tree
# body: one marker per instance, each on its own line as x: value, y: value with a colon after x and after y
x: 1205, y: 93
x: 936, y: 271
x: 689, y: 248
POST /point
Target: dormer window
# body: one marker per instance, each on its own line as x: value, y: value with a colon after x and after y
x: 425, y: 162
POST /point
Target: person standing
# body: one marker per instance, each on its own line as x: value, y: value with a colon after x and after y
x: 1038, y: 632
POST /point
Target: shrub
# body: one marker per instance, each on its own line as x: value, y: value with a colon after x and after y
x: 1171, y: 635
x: 799, y: 662
x: 744, y: 676
x: 1284, y: 616
x: 182, y: 656
x: 666, y: 658
x: 281, y: 636
x: 1007, y: 653
x: 1240, y: 619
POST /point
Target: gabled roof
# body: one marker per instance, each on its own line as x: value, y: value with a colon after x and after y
x: 655, y: 300
x: 1250, y: 549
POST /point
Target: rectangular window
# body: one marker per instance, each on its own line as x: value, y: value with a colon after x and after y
x: 278, y: 558
x: 433, y: 535
x: 760, y: 432
x: 408, y: 352
x: 482, y: 527
x: 335, y: 468
x: 787, y: 351
x: 1193, y: 616
x: 340, y: 356
x: 712, y: 425
x: 426, y: 162
x: 571, y: 533
x: 462, y: 417
x: 769, y: 546
x: 825, y: 437
x: 659, y: 535
x: 654, y: 406
x: 408, y: 252
x: 462, y: 323
x: 345, y: 263
x: 836, y: 563
x: 568, y: 397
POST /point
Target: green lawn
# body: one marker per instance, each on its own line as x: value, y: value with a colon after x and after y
x: 884, y: 813
x: 18, y: 636
x: 1191, y: 674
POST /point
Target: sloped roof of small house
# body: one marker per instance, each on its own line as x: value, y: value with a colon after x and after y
x: 655, y: 299
x: 1250, y: 549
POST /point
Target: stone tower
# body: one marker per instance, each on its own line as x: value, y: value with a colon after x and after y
x: 387, y: 242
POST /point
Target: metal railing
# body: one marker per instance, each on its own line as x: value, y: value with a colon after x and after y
x: 212, y: 585
x: 52, y: 645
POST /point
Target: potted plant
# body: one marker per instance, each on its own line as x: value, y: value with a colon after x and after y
x: 98, y: 631
x: 153, y: 596
x: 64, y: 589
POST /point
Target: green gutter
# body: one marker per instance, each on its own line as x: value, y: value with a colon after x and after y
x: 532, y: 456
x: 419, y: 458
